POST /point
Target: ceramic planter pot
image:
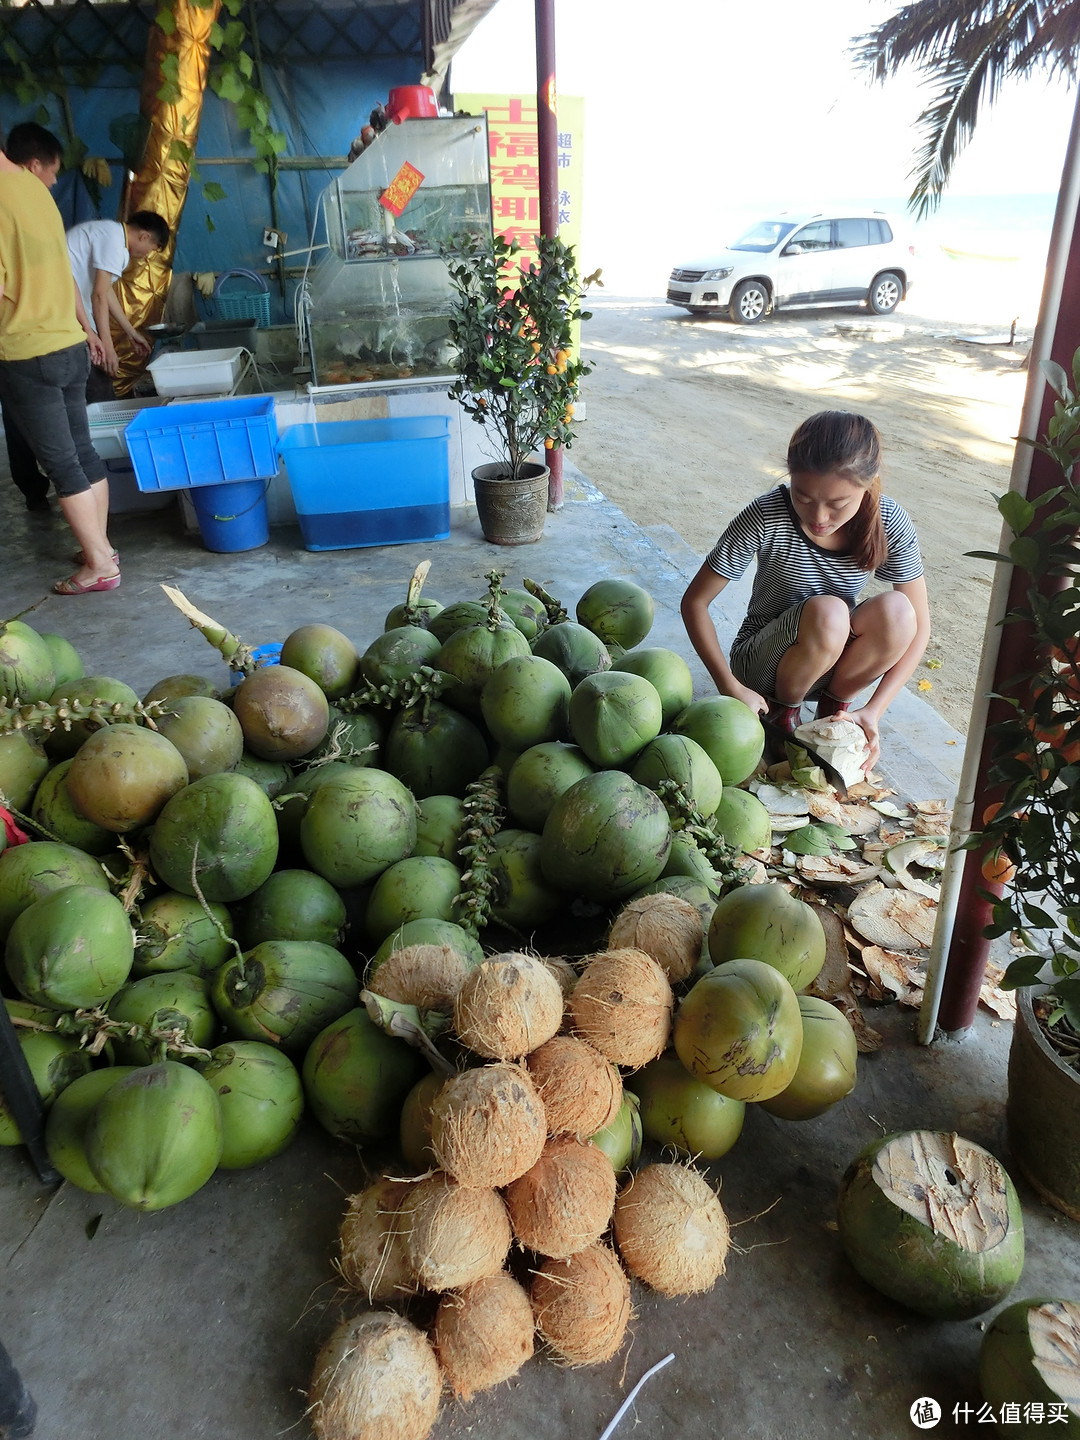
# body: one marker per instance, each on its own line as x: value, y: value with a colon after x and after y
x: 512, y: 512
x: 1043, y: 1111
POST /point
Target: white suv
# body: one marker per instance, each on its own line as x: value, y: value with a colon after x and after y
x: 793, y: 260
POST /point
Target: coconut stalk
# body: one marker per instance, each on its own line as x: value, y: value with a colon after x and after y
x: 48, y: 717
x: 723, y: 857
x: 413, y: 613
x: 484, y: 815
x: 418, y: 688
x: 95, y: 1028
x: 556, y: 610
x: 418, y: 1028
x: 236, y: 654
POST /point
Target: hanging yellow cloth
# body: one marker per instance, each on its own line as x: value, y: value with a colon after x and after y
x: 162, y: 182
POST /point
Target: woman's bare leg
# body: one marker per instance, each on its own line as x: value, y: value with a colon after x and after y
x: 824, y: 630
x: 882, y: 629
x: 83, y: 513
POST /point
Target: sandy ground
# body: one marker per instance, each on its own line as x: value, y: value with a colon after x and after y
x: 687, y: 420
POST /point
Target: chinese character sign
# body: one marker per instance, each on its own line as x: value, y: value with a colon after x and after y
x: 515, y: 175
x: 401, y: 189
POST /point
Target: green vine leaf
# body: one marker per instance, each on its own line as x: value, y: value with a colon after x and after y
x: 213, y: 192
x: 1017, y: 512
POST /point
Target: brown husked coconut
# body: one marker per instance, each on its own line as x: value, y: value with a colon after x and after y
x: 582, y: 1305
x: 563, y: 971
x: 427, y: 976
x: 373, y: 1257
x: 376, y: 1378
x: 580, y: 1088
x: 622, y: 1004
x: 564, y: 1203
x: 671, y: 1230
x: 508, y: 1005
x: 453, y: 1236
x: 664, y: 926
x: 488, y: 1126
x: 483, y: 1334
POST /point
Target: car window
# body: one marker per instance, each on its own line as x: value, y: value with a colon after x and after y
x: 884, y: 232
x: 854, y: 232
x: 814, y: 237
x: 765, y: 235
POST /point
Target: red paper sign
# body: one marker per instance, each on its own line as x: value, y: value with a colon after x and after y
x: 401, y: 189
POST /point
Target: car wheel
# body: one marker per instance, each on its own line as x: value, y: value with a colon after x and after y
x: 886, y: 293
x: 749, y: 302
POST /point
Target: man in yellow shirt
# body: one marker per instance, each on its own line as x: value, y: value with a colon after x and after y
x: 44, y: 363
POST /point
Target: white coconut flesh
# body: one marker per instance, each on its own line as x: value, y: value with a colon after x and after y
x: 953, y: 1187
x: 838, y: 741
x: 894, y: 919
x: 1054, y: 1332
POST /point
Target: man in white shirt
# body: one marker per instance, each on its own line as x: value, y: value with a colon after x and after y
x: 100, y: 252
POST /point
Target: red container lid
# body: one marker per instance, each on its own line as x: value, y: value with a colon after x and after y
x: 412, y: 102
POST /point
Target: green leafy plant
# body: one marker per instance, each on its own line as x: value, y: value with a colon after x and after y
x: 512, y: 327
x: 1035, y: 765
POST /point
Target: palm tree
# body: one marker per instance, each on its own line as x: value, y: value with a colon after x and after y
x: 968, y: 48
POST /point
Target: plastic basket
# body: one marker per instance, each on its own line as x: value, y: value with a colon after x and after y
x: 205, y: 443
x: 243, y: 304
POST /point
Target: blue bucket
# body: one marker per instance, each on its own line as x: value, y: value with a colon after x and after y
x: 263, y: 655
x: 232, y: 517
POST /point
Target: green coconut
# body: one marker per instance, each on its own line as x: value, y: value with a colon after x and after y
x: 575, y: 650
x: 65, y: 1125
x: 55, y: 1062
x: 522, y: 899
x: 272, y: 776
x: 621, y: 1140
x: 282, y: 711
x: 434, y: 750
x: 678, y: 1110
x: 324, y: 655
x: 1030, y: 1355
x: 71, y: 950
x: 419, y: 887
x: 613, y: 716
x: 414, y: 1129
x: 221, y: 830
x: 665, y: 670
x: 293, y: 905
x: 206, y: 732
x: 26, y: 665
x: 175, y: 1001
x: 175, y: 933
x: 526, y: 702
x: 23, y: 766
x: 261, y: 1099
x: 765, y: 922
x: 67, y: 663
x: 743, y: 820
x: 396, y: 654
x: 155, y: 1137
x: 678, y: 758
x: 439, y: 823
x: 619, y: 611
x: 933, y: 1221
x: 429, y: 931
x: 459, y: 616
x: 728, y: 731
x: 688, y: 861
x: 526, y: 611
x: 539, y: 776
x: 356, y: 1078
x: 55, y: 811
x: 30, y: 872
x: 472, y: 655
x: 292, y: 806
x: 605, y: 837
x: 284, y: 992
x: 92, y: 691
x: 827, y: 1065
x: 356, y: 824
x: 421, y: 613
x: 176, y: 687
x: 122, y: 777
x: 739, y: 1030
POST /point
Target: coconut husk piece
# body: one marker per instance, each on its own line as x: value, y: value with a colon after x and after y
x: 930, y: 807
x: 897, y: 975
x: 833, y: 981
x: 932, y: 824
x: 1001, y: 1002
x: 835, y: 870
x: 894, y: 919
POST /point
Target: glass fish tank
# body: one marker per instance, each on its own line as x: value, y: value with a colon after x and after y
x: 379, y: 298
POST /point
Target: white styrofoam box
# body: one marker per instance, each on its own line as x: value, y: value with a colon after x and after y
x: 107, y: 420
x: 197, y: 372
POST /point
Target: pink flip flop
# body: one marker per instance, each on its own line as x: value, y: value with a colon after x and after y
x: 71, y: 586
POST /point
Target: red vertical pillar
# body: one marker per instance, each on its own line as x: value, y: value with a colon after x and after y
x: 547, y: 135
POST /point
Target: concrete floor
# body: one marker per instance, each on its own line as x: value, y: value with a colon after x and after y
x: 203, y: 1320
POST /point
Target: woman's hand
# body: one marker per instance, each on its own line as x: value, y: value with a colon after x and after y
x: 757, y: 702
x: 868, y: 724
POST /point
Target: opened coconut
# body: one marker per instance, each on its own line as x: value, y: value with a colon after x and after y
x: 564, y: 1202
x: 483, y: 1334
x: 488, y: 1125
x: 582, y: 1305
x: 665, y: 927
x: 1030, y: 1355
x: 932, y: 1220
x: 427, y: 976
x: 622, y: 1004
x: 580, y: 1088
x: 375, y: 1378
x: 671, y: 1230
x: 373, y: 1256
x: 508, y: 1006
x: 452, y: 1235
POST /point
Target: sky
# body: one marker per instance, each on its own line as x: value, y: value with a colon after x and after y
x: 702, y: 114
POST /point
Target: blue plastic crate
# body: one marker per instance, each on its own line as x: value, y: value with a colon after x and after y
x: 370, y: 482
x: 207, y: 442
